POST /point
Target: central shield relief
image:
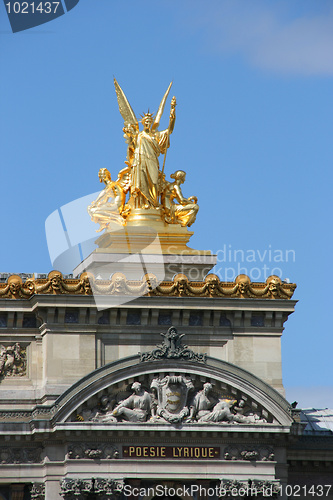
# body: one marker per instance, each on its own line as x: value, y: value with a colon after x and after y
x: 172, y: 394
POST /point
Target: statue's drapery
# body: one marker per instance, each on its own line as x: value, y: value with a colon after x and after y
x: 145, y: 168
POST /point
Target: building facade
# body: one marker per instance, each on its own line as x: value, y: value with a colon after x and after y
x: 98, y: 404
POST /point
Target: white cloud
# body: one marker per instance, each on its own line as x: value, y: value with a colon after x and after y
x: 272, y: 36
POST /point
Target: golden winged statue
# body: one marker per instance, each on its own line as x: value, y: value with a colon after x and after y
x: 142, y: 180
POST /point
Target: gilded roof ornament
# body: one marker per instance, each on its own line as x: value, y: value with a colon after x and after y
x: 180, y: 286
x: 141, y: 188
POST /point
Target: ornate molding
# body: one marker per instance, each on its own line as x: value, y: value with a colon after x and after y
x: 251, y: 488
x: 172, y: 348
x: 45, y: 411
x: 230, y: 487
x: 92, y: 451
x: 37, y: 491
x: 253, y: 453
x: 80, y: 488
x: 107, y: 488
x: 19, y: 415
x: 56, y: 284
x: 72, y: 489
x: 20, y: 455
x: 263, y: 487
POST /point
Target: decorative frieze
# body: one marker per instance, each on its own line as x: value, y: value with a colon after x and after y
x: 253, y: 453
x: 102, y: 489
x: 232, y: 487
x: 92, y: 451
x: 251, y: 488
x: 107, y: 488
x: 76, y: 488
x: 37, y: 491
x: 267, y: 488
x: 10, y: 455
x: 16, y: 415
x: 181, y: 286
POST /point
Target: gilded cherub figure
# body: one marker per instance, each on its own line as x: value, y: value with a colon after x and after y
x: 177, y: 208
x: 109, y: 205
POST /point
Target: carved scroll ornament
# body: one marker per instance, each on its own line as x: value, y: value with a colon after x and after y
x: 173, y: 348
x: 102, y: 489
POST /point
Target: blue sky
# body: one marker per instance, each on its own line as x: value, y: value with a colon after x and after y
x: 253, y: 82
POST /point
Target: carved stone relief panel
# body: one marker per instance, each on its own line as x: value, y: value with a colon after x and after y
x: 92, y: 451
x: 13, y: 360
x: 10, y: 455
x: 102, y: 489
x: 173, y: 398
x: 250, y: 453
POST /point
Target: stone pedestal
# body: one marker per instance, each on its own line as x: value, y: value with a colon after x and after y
x: 135, y: 266
x: 147, y: 245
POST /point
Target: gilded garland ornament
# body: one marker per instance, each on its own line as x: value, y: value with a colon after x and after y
x: 180, y: 286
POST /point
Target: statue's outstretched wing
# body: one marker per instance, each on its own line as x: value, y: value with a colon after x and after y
x: 124, y: 106
x: 161, y: 109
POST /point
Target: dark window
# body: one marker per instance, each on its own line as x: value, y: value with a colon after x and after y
x: 224, y: 321
x: 3, y: 321
x: 71, y: 317
x: 104, y: 319
x: 164, y: 318
x: 29, y: 321
x: 195, y: 319
x: 133, y: 318
x: 257, y: 321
